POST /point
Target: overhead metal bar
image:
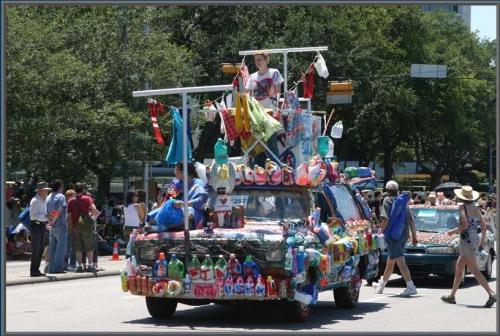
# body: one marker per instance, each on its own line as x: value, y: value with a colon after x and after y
x: 285, y: 52
x: 181, y: 90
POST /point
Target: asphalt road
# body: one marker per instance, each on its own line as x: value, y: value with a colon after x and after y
x: 99, y: 305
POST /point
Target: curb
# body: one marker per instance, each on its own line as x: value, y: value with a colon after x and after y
x: 65, y: 277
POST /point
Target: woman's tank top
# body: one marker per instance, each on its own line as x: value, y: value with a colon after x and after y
x: 131, y: 216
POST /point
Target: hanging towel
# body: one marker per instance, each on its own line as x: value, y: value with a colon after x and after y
x: 309, y: 83
x: 155, y: 107
x: 174, y: 153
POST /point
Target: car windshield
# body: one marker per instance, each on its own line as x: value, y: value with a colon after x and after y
x: 435, y: 220
x: 264, y: 205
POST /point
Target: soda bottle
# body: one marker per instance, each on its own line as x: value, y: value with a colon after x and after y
x: 288, y: 260
x: 234, y: 266
x: 260, y: 287
x: 249, y: 287
x: 229, y: 286
x: 271, y: 287
x: 194, y: 268
x: 175, y: 268
x: 160, y: 267
x: 123, y: 278
x: 131, y: 270
x: 207, y: 269
x: 187, y: 284
x: 220, y: 268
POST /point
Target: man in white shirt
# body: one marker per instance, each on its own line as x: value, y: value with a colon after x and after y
x: 442, y: 200
x: 38, y: 227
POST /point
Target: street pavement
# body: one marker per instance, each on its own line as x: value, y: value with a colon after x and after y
x: 99, y: 305
x: 17, y: 272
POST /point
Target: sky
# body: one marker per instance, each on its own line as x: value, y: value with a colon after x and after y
x: 483, y: 19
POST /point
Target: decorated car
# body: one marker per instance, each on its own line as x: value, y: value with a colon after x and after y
x: 279, y: 242
x: 436, y: 252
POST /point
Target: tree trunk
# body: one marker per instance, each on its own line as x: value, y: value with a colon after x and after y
x: 435, y: 178
x: 103, y: 187
x: 388, y: 169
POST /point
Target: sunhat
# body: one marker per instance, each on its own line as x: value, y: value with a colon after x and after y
x: 392, y: 185
x: 466, y: 193
x: 42, y: 186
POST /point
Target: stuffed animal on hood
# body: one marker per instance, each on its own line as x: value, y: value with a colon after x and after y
x: 273, y: 173
x: 260, y: 175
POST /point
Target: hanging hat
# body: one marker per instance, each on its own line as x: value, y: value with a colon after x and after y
x: 466, y: 193
x: 42, y: 186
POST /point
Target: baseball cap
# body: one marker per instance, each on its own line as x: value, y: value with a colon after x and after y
x: 391, y: 185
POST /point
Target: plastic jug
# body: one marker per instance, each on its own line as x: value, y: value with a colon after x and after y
x: 260, y: 287
x: 131, y: 269
x: 287, y: 176
x: 249, y: 287
x: 300, y: 259
x: 239, y: 286
x: 273, y: 172
x: 271, y: 287
x: 260, y: 175
x: 160, y: 267
x: 194, y: 268
x: 207, y: 269
x: 331, y: 148
x: 233, y: 266
x: 288, y: 260
x: 301, y: 174
x: 175, y: 268
x: 220, y: 268
x: 250, y: 268
x: 229, y: 286
x: 337, y: 130
x: 322, y: 145
x: 220, y: 151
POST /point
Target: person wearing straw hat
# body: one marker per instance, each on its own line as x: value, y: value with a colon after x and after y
x: 470, y: 220
x: 38, y: 227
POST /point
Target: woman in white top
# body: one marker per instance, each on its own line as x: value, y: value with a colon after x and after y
x: 134, y: 213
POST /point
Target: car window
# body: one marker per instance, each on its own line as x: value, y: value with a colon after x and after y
x: 346, y: 205
x: 435, y: 219
x: 320, y: 200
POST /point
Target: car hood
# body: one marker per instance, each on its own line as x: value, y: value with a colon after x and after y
x: 434, y: 238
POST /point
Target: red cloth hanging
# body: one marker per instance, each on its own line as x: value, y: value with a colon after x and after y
x: 309, y: 83
x: 155, y: 107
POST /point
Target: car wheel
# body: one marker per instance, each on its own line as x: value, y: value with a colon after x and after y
x: 488, y: 268
x: 160, y: 308
x: 297, y: 311
x: 347, y: 297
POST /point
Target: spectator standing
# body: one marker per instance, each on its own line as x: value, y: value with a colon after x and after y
x: 70, y: 251
x: 442, y: 200
x: 58, y: 227
x: 395, y: 247
x: 78, y: 208
x: 38, y: 227
x: 375, y: 204
x: 134, y: 213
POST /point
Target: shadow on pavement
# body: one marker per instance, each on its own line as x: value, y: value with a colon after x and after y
x: 257, y: 315
x: 435, y: 282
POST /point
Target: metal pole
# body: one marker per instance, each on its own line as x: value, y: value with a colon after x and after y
x: 185, y: 176
x: 490, y: 168
x: 285, y: 69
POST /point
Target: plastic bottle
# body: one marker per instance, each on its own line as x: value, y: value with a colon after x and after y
x: 250, y: 268
x: 288, y: 260
x: 138, y: 284
x: 229, y: 286
x: 220, y: 287
x: 123, y: 278
x: 233, y: 266
x: 220, y: 150
x: 322, y: 145
x: 294, y: 261
x: 239, y: 286
x: 283, y: 289
x: 271, y: 287
x: 260, y: 287
x: 337, y: 130
x: 160, y: 267
x: 144, y: 285
x: 131, y: 270
x: 187, y: 283
x: 220, y: 268
x: 300, y: 259
x: 249, y: 287
x: 194, y: 268
x: 207, y: 269
x: 131, y: 242
x: 175, y: 268
x: 132, y: 284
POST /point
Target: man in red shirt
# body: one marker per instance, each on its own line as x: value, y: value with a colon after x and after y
x: 81, y: 232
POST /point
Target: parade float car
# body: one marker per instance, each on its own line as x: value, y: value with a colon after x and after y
x: 436, y: 252
x: 266, y: 251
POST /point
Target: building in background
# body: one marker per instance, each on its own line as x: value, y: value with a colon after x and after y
x: 463, y: 11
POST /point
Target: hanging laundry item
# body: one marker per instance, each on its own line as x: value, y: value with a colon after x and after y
x: 229, y: 125
x: 309, y: 83
x: 295, y: 128
x: 263, y: 126
x: 320, y: 66
x: 243, y: 77
x: 155, y: 107
x: 174, y: 153
x: 209, y: 111
x: 316, y: 131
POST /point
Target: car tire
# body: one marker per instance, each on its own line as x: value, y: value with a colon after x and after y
x: 297, y: 311
x: 488, y: 269
x: 160, y: 308
x: 347, y: 297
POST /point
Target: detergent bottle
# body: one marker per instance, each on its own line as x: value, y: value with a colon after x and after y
x: 207, y: 269
x: 175, y: 268
x: 233, y: 266
x: 250, y: 268
x: 220, y: 150
x: 239, y: 286
x: 194, y: 268
x: 220, y: 268
x: 249, y: 287
x: 287, y: 176
x: 160, y: 267
x: 271, y: 287
x: 260, y: 287
x: 288, y: 260
x: 229, y: 286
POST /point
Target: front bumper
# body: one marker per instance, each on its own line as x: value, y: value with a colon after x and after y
x: 422, y: 264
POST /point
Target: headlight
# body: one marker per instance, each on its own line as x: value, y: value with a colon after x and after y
x: 441, y: 249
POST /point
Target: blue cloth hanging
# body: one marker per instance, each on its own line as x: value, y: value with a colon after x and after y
x: 174, y: 153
